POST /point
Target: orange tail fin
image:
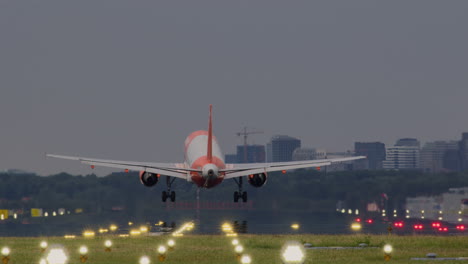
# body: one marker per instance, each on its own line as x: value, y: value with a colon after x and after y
x: 210, y: 137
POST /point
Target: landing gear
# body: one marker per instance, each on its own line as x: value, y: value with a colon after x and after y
x: 169, y: 194
x: 240, y: 193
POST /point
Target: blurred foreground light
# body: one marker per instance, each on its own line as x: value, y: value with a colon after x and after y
x: 89, y: 233
x: 356, y: 226
x: 295, y: 226
x: 177, y: 234
x: 144, y: 260
x: 42, y: 261
x: 235, y: 242
x: 5, y: 251
x: 293, y: 252
x: 103, y: 230
x: 56, y: 255
x: 113, y: 228
x: 387, y: 249
x: 245, y: 259
x: 130, y: 223
x: 239, y: 249
x: 143, y: 229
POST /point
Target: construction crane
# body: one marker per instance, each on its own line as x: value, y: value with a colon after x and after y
x: 245, y: 133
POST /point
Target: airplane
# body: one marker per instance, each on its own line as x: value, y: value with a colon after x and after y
x: 204, y: 166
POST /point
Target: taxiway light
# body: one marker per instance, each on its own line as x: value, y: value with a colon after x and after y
x: 171, y: 243
x: 130, y: 223
x: 143, y: 229
x: 356, y: 226
x: 83, y: 254
x: 144, y: 260
x: 135, y: 232
x: 239, y: 249
x: 108, y: 245
x: 69, y: 236
x: 43, y: 246
x: 89, y: 233
x: 113, y: 228
x: 387, y: 249
x: 5, y: 251
x: 57, y: 255
x: 245, y: 259
x: 293, y: 252
x: 235, y: 242
x: 162, y: 250
x: 295, y: 226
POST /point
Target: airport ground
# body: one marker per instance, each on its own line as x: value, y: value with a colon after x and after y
x: 204, y: 249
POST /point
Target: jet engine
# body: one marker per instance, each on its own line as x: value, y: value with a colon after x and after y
x: 257, y: 180
x: 148, y: 179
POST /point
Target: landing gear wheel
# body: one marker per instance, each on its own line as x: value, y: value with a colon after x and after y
x: 244, y: 197
x: 164, y: 196
x: 173, y: 196
x: 236, y: 197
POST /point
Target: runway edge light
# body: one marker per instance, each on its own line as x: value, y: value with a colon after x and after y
x: 293, y: 252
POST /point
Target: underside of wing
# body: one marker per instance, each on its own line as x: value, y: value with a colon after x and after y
x: 239, y: 170
x: 177, y: 170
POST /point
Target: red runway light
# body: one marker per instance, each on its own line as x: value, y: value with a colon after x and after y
x: 398, y: 224
x: 418, y: 227
x: 369, y: 221
x: 358, y: 220
x: 443, y: 229
x: 460, y: 227
x: 435, y: 225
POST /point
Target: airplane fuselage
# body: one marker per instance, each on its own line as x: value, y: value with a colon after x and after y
x: 196, y: 157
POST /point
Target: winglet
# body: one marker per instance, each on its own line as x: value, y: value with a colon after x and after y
x: 210, y: 137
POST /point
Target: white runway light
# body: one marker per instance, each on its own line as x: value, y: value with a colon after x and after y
x: 144, y: 260
x: 387, y: 249
x: 245, y: 259
x: 5, y: 251
x: 57, y: 255
x: 293, y: 252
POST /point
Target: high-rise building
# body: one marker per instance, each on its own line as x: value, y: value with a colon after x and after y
x: 434, y: 153
x: 405, y: 155
x: 282, y: 148
x: 251, y: 154
x: 463, y: 151
x: 375, y: 153
x: 230, y: 158
x: 408, y: 142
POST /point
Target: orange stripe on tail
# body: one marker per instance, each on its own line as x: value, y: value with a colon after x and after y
x: 209, y: 153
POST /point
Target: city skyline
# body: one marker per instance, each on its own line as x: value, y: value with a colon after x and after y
x: 130, y: 80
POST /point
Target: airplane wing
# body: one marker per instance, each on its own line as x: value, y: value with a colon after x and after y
x: 239, y: 170
x: 177, y: 170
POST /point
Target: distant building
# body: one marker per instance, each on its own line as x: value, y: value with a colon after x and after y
x: 451, y: 160
x: 375, y: 153
x: 434, y: 153
x: 408, y: 142
x: 253, y: 154
x: 282, y: 147
x: 405, y: 155
x: 308, y: 154
x: 230, y: 158
x: 463, y: 151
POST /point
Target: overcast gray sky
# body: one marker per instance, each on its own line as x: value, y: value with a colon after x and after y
x: 131, y: 79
